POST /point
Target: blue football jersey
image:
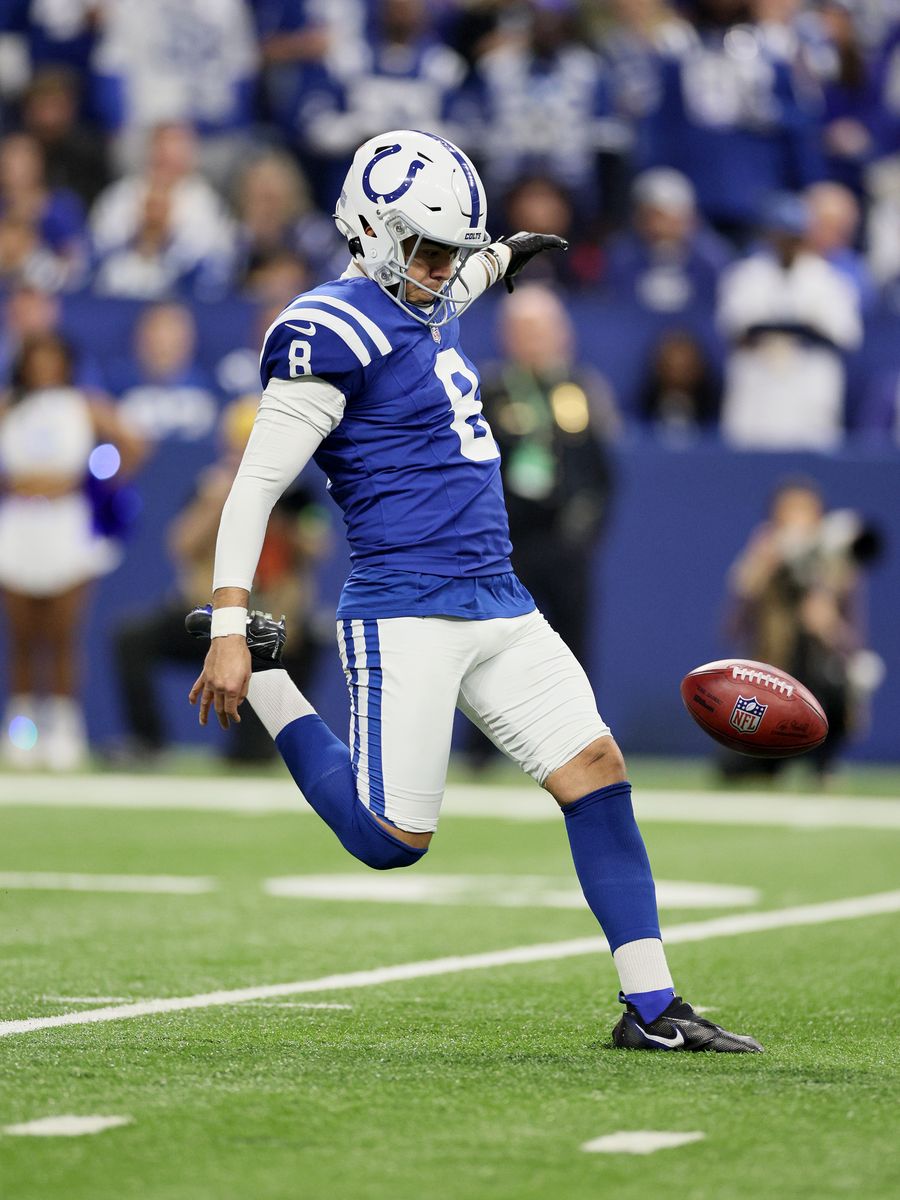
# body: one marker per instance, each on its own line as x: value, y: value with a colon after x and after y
x: 413, y: 464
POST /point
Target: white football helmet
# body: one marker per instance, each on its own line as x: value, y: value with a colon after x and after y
x: 405, y: 184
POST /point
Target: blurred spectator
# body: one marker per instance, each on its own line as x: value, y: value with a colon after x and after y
x: 540, y: 204
x: 797, y: 604
x: 883, y: 174
x: 275, y: 213
x: 789, y: 316
x: 24, y: 259
x: 49, y: 549
x: 541, y: 106
x: 177, y: 61
x: 154, y: 263
x: 883, y: 225
x: 55, y: 216
x: 75, y: 156
x: 734, y: 115
x: 886, y: 114
x: 833, y: 227
x: 669, y: 260
x: 681, y: 394
x: 26, y: 311
x: 847, y: 77
x: 276, y: 278
x: 238, y: 370
x: 163, y: 393
x: 59, y: 33
x: 295, y: 540
x: 552, y: 419
x: 403, y: 79
x: 301, y: 40
x: 642, y: 30
x: 475, y: 27
x: 200, y: 229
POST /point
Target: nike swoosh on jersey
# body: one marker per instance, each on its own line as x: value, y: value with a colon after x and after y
x: 671, y: 1043
x: 307, y: 329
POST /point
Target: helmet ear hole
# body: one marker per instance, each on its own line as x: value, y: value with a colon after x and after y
x: 365, y: 225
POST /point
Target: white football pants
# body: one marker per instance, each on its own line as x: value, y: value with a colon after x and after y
x: 514, y: 677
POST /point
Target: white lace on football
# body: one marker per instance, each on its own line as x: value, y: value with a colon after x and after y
x: 763, y: 678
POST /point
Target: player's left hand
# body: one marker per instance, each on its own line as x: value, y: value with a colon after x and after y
x: 523, y: 247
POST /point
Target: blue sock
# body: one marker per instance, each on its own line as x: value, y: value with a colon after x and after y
x: 614, y: 872
x: 651, y: 1004
x: 320, y: 765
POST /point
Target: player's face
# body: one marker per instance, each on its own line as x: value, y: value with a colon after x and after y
x: 432, y: 265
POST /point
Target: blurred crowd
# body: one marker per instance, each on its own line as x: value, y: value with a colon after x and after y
x: 727, y: 173
x: 736, y: 158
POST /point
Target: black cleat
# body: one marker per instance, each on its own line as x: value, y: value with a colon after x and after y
x: 679, y: 1028
x: 265, y: 635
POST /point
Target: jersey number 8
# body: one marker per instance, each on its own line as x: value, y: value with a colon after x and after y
x: 476, y: 442
x: 298, y: 358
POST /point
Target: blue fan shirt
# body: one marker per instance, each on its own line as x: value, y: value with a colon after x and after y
x: 412, y: 465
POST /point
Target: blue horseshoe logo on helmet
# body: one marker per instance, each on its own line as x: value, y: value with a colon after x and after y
x: 390, y: 197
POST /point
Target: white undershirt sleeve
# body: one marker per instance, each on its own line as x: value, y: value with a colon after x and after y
x: 294, y: 417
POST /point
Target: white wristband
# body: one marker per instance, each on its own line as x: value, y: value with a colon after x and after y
x: 226, y: 621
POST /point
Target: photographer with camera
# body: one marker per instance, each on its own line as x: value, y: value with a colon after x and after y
x: 796, y: 603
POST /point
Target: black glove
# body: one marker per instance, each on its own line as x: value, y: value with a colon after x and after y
x: 523, y: 247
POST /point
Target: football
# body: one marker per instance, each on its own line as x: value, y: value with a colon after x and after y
x: 754, y: 708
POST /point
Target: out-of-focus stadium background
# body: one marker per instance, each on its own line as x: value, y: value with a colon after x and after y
x: 728, y: 175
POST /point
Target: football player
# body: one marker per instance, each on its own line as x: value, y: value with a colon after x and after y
x: 366, y: 376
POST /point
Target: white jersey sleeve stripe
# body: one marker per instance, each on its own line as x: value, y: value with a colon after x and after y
x: 364, y: 322
x: 345, y: 332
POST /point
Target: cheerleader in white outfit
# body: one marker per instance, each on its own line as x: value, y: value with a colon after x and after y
x: 49, y: 549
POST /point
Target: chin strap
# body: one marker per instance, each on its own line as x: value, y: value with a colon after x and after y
x: 523, y: 247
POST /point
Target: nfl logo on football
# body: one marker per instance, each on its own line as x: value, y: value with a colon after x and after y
x: 747, y: 714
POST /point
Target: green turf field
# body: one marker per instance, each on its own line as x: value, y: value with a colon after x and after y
x: 477, y: 1080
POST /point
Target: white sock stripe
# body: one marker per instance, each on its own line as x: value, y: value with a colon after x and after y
x: 642, y: 966
x: 276, y: 700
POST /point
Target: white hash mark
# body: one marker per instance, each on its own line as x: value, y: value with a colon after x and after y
x: 640, y: 1141
x: 65, y: 1126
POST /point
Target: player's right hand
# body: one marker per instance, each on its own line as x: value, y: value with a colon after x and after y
x: 222, y: 684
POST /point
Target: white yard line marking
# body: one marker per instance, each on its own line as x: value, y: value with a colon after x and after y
x: 527, y: 803
x: 501, y: 891
x: 64, y: 1126
x: 91, y: 999
x: 640, y: 1141
x: 301, y: 1004
x: 60, y: 881
x: 696, y: 931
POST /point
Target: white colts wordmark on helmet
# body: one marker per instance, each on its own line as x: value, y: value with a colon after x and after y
x: 409, y: 184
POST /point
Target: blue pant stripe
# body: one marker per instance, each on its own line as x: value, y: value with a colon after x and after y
x: 354, y: 693
x: 376, y: 771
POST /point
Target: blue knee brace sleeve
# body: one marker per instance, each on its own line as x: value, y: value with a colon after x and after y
x: 320, y: 765
x: 612, y: 865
